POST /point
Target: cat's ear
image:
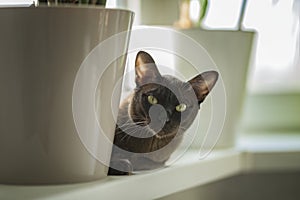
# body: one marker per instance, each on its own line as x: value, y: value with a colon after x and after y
x: 203, y: 84
x: 145, y: 69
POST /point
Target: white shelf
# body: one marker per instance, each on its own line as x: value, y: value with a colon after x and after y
x: 260, y: 154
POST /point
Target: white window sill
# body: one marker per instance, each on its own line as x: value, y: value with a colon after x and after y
x: 253, y: 153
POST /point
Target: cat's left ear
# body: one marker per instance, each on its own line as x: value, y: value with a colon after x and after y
x: 145, y: 69
x: 203, y: 84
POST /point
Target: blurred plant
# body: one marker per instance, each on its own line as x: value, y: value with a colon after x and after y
x: 202, y: 12
x: 203, y: 9
x: 191, y: 13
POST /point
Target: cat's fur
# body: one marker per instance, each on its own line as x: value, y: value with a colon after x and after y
x: 146, y: 135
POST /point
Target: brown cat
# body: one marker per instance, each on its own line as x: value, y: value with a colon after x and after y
x: 152, y: 120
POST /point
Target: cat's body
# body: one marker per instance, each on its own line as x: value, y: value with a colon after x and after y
x: 152, y: 120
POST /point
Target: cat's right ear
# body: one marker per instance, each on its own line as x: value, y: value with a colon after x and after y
x: 203, y: 84
x: 145, y: 69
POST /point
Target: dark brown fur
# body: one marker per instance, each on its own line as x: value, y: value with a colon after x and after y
x: 145, y: 139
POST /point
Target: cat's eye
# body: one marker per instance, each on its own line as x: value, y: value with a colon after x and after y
x: 152, y: 100
x: 181, y: 107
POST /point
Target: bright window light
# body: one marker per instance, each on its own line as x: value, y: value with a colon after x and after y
x: 194, y: 10
x: 277, y: 52
x: 223, y: 14
x: 111, y: 4
x: 277, y: 55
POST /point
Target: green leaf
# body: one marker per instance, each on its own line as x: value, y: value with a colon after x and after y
x: 203, y: 8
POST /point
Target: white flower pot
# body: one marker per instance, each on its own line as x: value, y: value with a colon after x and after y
x: 44, y: 55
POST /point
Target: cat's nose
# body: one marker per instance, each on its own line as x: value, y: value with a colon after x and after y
x: 158, y: 117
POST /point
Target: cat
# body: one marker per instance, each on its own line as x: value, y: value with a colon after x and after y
x: 153, y: 118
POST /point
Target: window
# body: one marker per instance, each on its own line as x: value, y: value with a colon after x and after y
x: 276, y: 63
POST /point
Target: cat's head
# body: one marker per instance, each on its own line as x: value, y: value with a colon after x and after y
x: 166, y: 103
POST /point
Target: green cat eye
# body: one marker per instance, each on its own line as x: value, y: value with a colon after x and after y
x: 152, y: 100
x: 181, y: 107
